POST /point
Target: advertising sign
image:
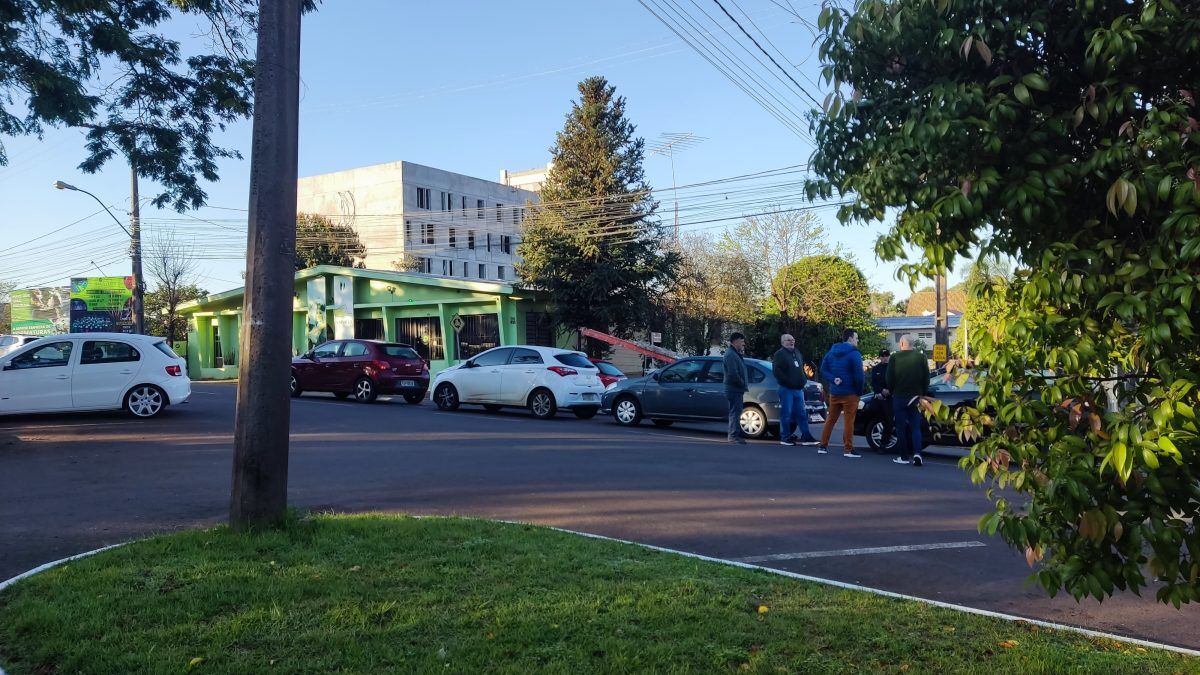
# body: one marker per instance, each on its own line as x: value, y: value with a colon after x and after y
x: 102, y: 304
x: 41, y: 311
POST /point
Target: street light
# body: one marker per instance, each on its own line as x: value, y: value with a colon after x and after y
x: 135, y: 249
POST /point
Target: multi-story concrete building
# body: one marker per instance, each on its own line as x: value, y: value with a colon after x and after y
x: 532, y: 179
x: 418, y: 218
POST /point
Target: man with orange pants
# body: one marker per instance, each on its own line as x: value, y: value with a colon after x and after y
x: 842, y: 370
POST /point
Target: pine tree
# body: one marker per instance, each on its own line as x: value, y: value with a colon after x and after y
x: 594, y: 242
x: 321, y: 242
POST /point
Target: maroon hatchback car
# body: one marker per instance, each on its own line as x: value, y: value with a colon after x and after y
x: 362, y: 368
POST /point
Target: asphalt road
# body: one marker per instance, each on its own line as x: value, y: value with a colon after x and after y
x: 73, y: 483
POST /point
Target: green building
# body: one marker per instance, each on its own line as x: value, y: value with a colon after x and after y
x: 446, y: 320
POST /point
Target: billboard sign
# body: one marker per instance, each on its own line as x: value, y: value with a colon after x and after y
x: 102, y: 304
x: 40, y: 311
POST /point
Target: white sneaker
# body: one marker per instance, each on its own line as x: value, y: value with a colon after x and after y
x: 787, y: 441
x: 851, y: 455
x: 917, y: 461
x: 822, y: 451
x: 900, y: 460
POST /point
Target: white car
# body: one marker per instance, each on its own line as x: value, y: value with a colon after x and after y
x: 10, y: 343
x: 93, y: 371
x: 543, y: 379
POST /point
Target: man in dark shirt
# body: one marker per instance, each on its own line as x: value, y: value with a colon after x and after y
x: 788, y: 367
x: 736, y: 385
x: 882, y: 402
x: 908, y: 378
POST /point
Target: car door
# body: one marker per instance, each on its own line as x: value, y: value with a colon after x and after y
x: 708, y: 400
x: 351, y: 364
x: 670, y: 394
x: 320, y: 374
x: 38, y: 379
x: 518, y: 378
x: 482, y: 381
x: 105, y: 369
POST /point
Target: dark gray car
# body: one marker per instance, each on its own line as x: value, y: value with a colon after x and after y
x: 692, y: 390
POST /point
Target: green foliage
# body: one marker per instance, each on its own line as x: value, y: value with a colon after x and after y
x: 710, y: 291
x: 106, y: 67
x: 1063, y: 134
x: 884, y: 303
x: 593, y: 242
x: 161, y: 304
x: 988, y: 305
x: 319, y: 241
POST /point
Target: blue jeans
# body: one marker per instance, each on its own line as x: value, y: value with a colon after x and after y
x: 907, y: 420
x: 735, y: 413
x: 793, y: 416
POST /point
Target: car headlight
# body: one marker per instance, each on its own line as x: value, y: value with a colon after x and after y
x: 861, y: 404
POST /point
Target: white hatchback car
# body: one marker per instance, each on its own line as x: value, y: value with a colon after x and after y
x: 93, y: 371
x: 543, y: 379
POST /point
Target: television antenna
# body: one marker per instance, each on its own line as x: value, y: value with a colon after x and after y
x: 667, y: 145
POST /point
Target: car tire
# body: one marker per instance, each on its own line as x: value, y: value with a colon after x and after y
x: 542, y: 403
x: 627, y: 412
x: 341, y: 394
x: 492, y: 407
x: 145, y: 401
x: 753, y: 422
x: 364, y: 390
x: 585, y: 413
x: 875, y: 437
x: 446, y: 397
x: 414, y: 399
x: 663, y: 424
x: 295, y: 387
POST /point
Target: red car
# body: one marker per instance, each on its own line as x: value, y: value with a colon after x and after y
x: 608, y: 372
x: 362, y: 368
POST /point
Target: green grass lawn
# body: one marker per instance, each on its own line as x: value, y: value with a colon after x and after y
x: 382, y: 594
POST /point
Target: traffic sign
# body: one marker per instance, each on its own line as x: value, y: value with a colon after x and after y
x: 939, y: 352
x: 656, y: 338
x: 457, y: 322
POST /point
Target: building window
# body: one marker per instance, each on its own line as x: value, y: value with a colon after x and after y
x: 424, y: 196
x: 368, y: 329
x: 924, y: 336
x: 466, y: 274
x: 471, y: 239
x: 427, y: 233
x: 482, y: 271
x: 408, y: 231
x: 449, y: 201
x: 443, y: 202
x: 489, y: 242
x: 480, y: 332
x: 479, y: 208
x: 516, y: 215
x: 538, y: 329
x: 446, y: 271
x: 506, y: 244
x: 218, y: 358
x: 500, y: 272
x: 427, y: 265
x: 453, y: 238
x: 424, y: 334
x: 464, y: 206
x: 498, y: 216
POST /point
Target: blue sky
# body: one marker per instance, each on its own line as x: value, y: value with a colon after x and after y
x: 467, y: 86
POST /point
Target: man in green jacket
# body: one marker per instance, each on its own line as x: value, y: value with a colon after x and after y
x: 907, y: 378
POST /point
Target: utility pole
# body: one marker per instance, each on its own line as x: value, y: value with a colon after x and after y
x: 261, y: 421
x: 135, y: 244
x: 941, y: 329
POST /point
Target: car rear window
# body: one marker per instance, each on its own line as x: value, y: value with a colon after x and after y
x: 574, y: 360
x: 609, y: 369
x: 401, y: 352
x: 162, y: 347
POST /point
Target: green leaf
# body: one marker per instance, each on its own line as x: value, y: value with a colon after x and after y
x: 1036, y: 81
x: 1150, y: 458
x: 1022, y: 94
x: 1164, y: 187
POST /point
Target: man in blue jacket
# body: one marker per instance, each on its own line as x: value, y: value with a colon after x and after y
x: 842, y: 370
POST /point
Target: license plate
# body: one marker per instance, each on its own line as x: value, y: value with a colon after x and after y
x: 589, y: 397
x: 407, y: 383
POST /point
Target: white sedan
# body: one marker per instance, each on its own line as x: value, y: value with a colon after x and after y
x: 93, y: 371
x: 543, y: 379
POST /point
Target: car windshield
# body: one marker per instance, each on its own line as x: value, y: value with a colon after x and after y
x: 162, y: 347
x: 400, y: 352
x: 609, y: 369
x: 574, y: 360
x: 939, y: 383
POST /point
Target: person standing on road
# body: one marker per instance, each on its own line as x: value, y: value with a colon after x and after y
x: 883, y: 397
x: 907, y: 378
x: 788, y: 368
x: 842, y: 368
x: 736, y: 386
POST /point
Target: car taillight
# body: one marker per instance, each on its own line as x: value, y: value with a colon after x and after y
x: 381, y: 365
x: 174, y: 371
x: 563, y: 370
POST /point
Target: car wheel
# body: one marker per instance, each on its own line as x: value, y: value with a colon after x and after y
x: 414, y: 399
x: 492, y: 407
x: 627, y: 411
x: 145, y: 401
x: 542, y: 404
x: 585, y: 413
x: 663, y: 423
x: 364, y: 390
x: 446, y: 396
x: 875, y: 437
x: 295, y: 387
x: 753, y: 422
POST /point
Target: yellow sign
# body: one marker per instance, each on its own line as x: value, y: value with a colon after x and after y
x: 939, y: 352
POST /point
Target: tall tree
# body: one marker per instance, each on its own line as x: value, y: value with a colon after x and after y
x: 6, y: 288
x: 320, y: 241
x: 1064, y: 135
x: 171, y: 267
x: 711, y: 290
x: 594, y: 242
x: 988, y: 305
x: 825, y: 294
x: 884, y: 303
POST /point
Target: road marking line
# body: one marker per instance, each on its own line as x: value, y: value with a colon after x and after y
x: 859, y: 551
x: 65, y: 426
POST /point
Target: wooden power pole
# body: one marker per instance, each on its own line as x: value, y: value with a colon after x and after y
x: 941, y: 330
x: 260, y: 436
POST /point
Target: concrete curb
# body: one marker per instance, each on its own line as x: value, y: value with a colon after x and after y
x: 733, y: 563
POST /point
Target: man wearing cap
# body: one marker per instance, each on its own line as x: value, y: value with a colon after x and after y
x: 883, y: 397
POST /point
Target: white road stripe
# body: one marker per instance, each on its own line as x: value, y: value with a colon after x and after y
x: 859, y: 551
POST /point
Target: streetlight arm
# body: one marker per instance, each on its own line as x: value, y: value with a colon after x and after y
x: 66, y: 186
